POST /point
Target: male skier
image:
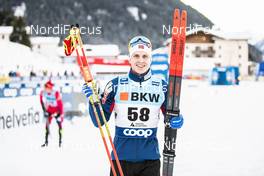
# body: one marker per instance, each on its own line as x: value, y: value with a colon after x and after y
x: 52, y: 106
x: 136, y: 99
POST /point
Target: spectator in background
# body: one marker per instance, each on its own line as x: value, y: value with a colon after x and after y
x: 32, y: 74
x: 72, y: 74
x: 58, y: 74
x: 45, y: 73
x: 18, y: 74
x: 12, y: 74
x: 66, y: 73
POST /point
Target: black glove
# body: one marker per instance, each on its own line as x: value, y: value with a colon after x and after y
x: 57, y: 115
x: 46, y: 114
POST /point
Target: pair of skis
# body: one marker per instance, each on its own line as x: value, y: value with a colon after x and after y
x: 174, y: 88
x: 77, y: 44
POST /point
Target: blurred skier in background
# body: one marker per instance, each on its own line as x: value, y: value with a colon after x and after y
x: 52, y: 106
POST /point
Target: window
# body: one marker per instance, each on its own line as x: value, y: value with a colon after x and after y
x: 3, y: 37
x: 38, y: 46
x: 219, y: 47
x: 239, y: 47
x: 219, y: 56
x: 197, y: 52
x: 210, y: 51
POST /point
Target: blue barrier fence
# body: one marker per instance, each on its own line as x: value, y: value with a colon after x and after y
x: 74, y: 101
x: 29, y: 87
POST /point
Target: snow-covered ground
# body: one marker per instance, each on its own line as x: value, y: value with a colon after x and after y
x: 223, y: 135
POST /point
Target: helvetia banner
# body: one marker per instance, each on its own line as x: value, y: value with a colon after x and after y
x: 19, y: 112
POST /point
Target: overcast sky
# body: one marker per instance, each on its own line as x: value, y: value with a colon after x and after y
x: 233, y: 15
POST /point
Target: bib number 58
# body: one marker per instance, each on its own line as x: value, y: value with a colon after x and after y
x: 135, y: 113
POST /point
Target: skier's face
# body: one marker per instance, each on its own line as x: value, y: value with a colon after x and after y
x: 48, y: 89
x: 140, y: 62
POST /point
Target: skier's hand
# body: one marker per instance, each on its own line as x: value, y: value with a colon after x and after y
x: 87, y: 90
x: 56, y: 115
x: 176, y: 122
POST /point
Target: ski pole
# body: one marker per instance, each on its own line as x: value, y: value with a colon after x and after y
x: 82, y: 62
x: 102, y: 113
x: 100, y: 126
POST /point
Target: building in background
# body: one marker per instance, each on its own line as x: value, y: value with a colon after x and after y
x: 205, y: 49
x: 46, y: 46
x: 213, y: 47
x: 5, y: 32
x: 109, y: 52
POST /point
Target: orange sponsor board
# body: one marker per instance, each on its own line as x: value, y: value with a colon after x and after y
x: 124, y: 96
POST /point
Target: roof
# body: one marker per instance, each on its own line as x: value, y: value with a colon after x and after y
x: 96, y: 50
x: 26, y: 59
x: 44, y: 40
x: 220, y: 34
x: 22, y: 56
x: 6, y: 29
x: 216, y: 33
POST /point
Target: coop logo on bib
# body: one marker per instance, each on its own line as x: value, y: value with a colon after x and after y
x: 139, y: 132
